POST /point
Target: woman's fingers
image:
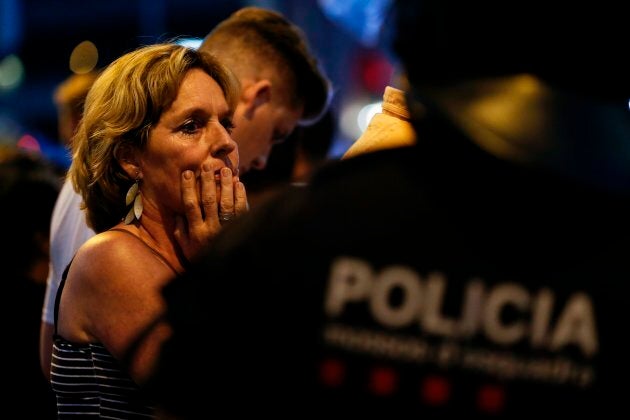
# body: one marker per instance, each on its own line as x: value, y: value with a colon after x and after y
x: 240, y: 196
x: 227, y: 193
x: 206, y: 206
x: 190, y: 198
x: 209, y: 195
x: 200, y: 211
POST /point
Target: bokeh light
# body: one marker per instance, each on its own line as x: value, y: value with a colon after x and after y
x: 11, y: 72
x: 84, y: 57
x: 29, y: 142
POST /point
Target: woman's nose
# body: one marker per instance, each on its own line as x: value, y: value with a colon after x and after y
x: 223, y: 144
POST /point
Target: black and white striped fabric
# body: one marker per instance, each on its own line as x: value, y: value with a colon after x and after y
x: 89, y: 382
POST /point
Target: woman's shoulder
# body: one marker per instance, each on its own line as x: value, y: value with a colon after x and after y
x: 108, y: 247
x: 111, y: 254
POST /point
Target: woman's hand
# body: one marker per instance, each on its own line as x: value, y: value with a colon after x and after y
x: 207, y: 207
x: 233, y: 198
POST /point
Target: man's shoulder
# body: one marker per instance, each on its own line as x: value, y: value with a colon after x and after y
x: 68, y: 201
x: 68, y: 226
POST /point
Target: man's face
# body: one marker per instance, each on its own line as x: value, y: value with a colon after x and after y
x: 271, y: 123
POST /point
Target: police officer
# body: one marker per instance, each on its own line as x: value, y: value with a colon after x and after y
x: 481, y: 272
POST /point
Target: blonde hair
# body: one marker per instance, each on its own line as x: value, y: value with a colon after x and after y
x: 124, y: 103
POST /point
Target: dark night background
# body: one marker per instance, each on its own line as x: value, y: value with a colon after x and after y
x: 43, y: 33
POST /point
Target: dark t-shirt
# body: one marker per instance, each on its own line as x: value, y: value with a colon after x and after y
x: 431, y: 281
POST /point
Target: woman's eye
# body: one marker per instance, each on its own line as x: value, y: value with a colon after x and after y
x: 227, y: 124
x: 190, y: 127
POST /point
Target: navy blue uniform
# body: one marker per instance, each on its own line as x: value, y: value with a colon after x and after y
x: 430, y: 280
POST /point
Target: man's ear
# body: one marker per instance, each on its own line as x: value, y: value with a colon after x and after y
x: 126, y: 157
x: 256, y: 94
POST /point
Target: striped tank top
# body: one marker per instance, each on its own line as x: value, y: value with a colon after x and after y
x: 88, y: 381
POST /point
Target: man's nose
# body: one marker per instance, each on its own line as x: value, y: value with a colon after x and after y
x: 259, y: 163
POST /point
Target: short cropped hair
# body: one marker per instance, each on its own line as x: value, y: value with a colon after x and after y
x: 253, y: 37
x: 123, y: 105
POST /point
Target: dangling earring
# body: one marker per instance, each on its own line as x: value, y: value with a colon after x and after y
x: 134, y: 196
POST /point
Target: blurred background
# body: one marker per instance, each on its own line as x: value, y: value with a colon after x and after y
x: 43, y: 41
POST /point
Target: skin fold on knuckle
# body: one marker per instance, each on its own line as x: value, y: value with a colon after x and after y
x: 227, y: 206
x: 208, y: 202
x: 189, y: 205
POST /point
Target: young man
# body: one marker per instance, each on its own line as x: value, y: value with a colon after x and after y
x: 282, y: 86
x: 281, y: 83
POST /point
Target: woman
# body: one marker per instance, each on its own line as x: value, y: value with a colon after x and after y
x: 153, y: 160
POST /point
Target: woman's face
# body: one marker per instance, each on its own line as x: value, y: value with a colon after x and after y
x: 192, y: 131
